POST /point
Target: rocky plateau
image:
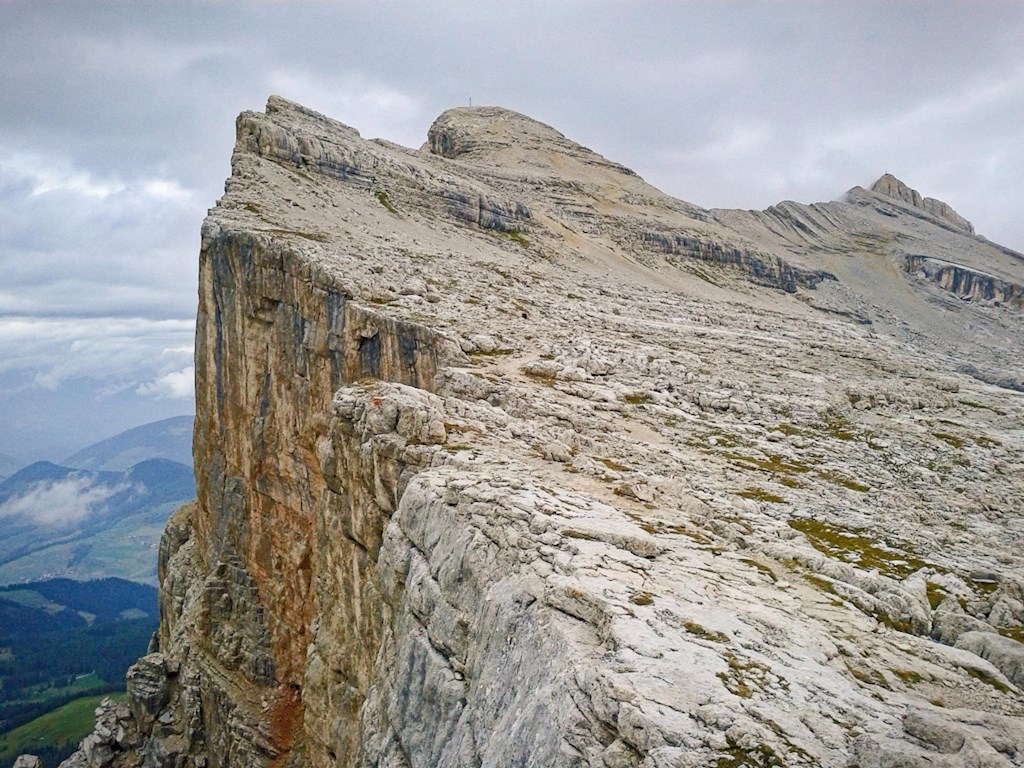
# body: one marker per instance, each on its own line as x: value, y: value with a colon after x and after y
x: 506, y: 458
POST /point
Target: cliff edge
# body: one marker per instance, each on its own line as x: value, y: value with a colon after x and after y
x: 506, y: 458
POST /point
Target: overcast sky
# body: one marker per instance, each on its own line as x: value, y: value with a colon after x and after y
x: 117, y: 121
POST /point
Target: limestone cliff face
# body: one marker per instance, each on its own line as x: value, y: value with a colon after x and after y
x: 506, y: 458
x: 892, y: 187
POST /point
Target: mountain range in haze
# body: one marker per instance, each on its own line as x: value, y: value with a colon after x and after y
x: 101, y: 511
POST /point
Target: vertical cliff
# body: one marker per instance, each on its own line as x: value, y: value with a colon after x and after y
x: 506, y: 458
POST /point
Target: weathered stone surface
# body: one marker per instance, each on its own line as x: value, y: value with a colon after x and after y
x: 893, y: 187
x: 507, y: 458
x: 1005, y: 653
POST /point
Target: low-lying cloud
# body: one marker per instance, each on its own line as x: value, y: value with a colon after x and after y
x: 62, y: 502
x: 175, y: 385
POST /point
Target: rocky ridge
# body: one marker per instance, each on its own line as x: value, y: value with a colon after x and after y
x: 507, y: 458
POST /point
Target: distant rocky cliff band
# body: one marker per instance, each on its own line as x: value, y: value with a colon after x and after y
x: 506, y: 458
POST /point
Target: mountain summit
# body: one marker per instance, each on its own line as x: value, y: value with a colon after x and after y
x: 891, y: 186
x: 507, y: 458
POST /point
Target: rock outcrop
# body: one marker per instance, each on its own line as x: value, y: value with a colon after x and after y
x: 893, y: 187
x: 506, y: 458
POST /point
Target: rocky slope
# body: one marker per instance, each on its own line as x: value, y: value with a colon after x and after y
x: 507, y: 458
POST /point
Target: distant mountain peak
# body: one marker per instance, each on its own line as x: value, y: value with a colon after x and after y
x: 165, y: 439
x: 890, y: 186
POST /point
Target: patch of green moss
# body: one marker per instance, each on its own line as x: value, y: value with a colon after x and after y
x: 760, y: 494
x: 705, y: 634
x: 838, y: 426
x: 838, y: 479
x: 788, y: 429
x: 790, y: 482
x: 1014, y: 633
x: 744, y: 676
x: 986, y: 677
x: 908, y: 676
x: 318, y: 237
x: 571, y: 533
x: 548, y: 379
x: 774, y: 463
x: 987, y: 442
x: 518, y: 237
x: 614, y: 465
x: 953, y: 440
x: 868, y: 676
x: 637, y: 399
x: 384, y: 199
x: 761, y: 567
x: 826, y: 585
x: 761, y: 756
x: 985, y: 586
x: 854, y: 546
x: 936, y: 594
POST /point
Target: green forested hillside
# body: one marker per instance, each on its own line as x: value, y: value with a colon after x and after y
x: 60, y: 640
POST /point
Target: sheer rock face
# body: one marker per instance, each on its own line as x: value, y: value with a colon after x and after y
x: 893, y: 187
x: 507, y: 458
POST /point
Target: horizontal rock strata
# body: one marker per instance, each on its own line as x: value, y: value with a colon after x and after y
x: 506, y: 458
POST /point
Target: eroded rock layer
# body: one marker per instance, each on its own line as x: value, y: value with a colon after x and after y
x: 506, y: 458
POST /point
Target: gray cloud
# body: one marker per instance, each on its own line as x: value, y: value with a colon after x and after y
x: 116, y: 125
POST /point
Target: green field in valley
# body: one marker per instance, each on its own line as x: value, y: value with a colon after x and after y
x: 66, y: 725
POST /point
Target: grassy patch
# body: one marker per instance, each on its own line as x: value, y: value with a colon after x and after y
x: 760, y: 494
x: 543, y: 378
x: 936, y: 594
x: 637, y: 398
x: 761, y: 567
x: 838, y: 426
x: 704, y: 633
x: 774, y: 463
x: 384, y: 199
x: 517, y: 237
x: 838, y: 479
x: 868, y: 676
x: 571, y: 533
x: 953, y: 440
x: 318, y: 237
x: 788, y: 429
x: 854, y: 546
x: 909, y: 676
x: 826, y: 585
x: 744, y: 676
x: 614, y: 465
x: 986, y: 677
x: 1014, y: 633
x: 65, y: 725
x: 761, y: 756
